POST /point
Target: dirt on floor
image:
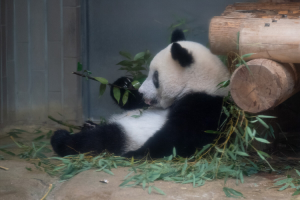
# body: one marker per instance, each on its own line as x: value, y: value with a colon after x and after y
x: 18, y: 182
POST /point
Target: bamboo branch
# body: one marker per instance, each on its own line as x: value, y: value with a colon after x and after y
x: 92, y: 78
x: 64, y: 123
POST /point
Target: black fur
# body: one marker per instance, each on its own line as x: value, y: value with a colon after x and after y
x: 177, y: 35
x: 109, y: 137
x: 135, y: 99
x: 188, y: 118
x: 155, y: 79
x: 181, y: 55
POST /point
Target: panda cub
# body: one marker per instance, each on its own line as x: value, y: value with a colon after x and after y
x: 181, y: 90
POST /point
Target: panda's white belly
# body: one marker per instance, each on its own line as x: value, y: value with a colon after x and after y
x: 139, y: 130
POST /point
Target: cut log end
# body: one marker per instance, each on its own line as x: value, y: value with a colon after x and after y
x: 263, y: 85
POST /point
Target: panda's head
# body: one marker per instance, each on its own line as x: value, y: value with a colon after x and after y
x: 181, y: 68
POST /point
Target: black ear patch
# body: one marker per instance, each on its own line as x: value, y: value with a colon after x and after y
x: 181, y: 55
x: 177, y: 35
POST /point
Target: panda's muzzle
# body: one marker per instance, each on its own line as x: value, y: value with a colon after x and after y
x: 151, y: 102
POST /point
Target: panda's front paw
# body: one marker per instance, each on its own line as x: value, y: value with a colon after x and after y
x: 88, y: 125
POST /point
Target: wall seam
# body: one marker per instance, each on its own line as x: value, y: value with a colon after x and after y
x: 29, y: 61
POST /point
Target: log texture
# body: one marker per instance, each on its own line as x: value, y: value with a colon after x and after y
x: 271, y: 30
x: 265, y: 86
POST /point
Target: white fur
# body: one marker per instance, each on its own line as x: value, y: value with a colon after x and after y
x: 175, y: 81
x: 139, y: 130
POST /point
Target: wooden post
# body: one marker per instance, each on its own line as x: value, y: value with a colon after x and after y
x: 264, y: 85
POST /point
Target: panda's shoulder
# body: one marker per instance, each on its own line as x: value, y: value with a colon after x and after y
x: 196, y: 104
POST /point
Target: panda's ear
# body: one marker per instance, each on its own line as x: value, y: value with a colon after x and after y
x: 177, y: 35
x: 181, y: 55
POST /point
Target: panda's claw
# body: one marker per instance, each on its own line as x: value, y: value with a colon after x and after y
x: 88, y: 125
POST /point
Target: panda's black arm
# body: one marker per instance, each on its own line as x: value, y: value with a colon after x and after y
x: 103, y: 137
x: 135, y: 99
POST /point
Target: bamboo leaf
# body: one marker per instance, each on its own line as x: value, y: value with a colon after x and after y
x: 149, y: 189
x: 102, y: 89
x: 247, y: 55
x: 136, y: 84
x: 158, y: 190
x: 184, y: 167
x: 8, y: 152
x: 241, y: 153
x: 125, y: 54
x: 39, y: 138
x: 139, y: 56
x: 101, y: 80
x: 144, y: 184
x: 79, y: 67
x: 262, y: 122
x: 125, y: 97
x: 296, y: 192
x: 262, y: 140
x: 117, y: 94
x: 174, y: 152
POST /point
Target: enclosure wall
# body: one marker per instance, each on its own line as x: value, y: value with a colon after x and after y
x: 40, y: 47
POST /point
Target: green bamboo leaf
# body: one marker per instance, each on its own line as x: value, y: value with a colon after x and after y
x: 241, y: 177
x: 144, y: 184
x: 262, y: 140
x: 158, y: 190
x: 8, y: 152
x: 226, y: 111
x: 139, y: 56
x: 125, y: 97
x: 174, y: 152
x: 298, y: 172
x: 241, y: 153
x: 296, y: 192
x: 101, y: 80
x: 262, y: 122
x: 284, y: 187
x: 149, y: 189
x: 125, y: 54
x: 184, y: 167
x: 136, y: 84
x: 264, y: 154
x: 203, y: 149
x: 102, y: 89
x: 79, y: 67
x: 212, y: 132
x: 39, y: 138
x: 247, y: 55
x: 266, y: 116
x: 108, y: 171
x: 117, y: 94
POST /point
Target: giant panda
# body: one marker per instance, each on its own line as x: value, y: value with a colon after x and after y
x: 184, y: 102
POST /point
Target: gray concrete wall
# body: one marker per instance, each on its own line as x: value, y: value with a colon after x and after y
x: 40, y: 47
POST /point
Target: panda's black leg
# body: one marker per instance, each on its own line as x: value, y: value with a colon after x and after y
x: 106, y: 137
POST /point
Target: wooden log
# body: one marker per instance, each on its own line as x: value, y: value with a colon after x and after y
x: 268, y: 38
x: 266, y: 6
x: 279, y: 41
x: 223, y: 35
x: 265, y: 85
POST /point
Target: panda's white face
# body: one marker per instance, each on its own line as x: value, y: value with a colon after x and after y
x: 172, y: 75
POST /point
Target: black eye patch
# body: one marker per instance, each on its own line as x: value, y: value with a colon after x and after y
x: 155, y: 79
